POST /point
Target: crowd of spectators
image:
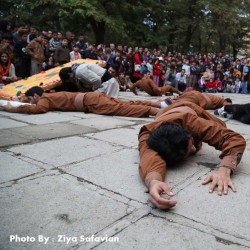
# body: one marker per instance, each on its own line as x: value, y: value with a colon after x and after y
x: 25, y: 51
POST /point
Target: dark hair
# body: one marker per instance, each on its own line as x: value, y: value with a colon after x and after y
x: 64, y: 73
x: 34, y: 90
x: 228, y: 100
x: 115, y: 66
x: 170, y: 142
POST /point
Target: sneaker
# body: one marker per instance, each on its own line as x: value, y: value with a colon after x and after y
x: 219, y: 111
x: 168, y: 101
x: 227, y: 115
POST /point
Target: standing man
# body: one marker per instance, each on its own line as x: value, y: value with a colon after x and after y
x: 35, y: 50
x: 245, y: 76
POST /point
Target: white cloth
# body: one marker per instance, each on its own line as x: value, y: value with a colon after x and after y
x: 90, y: 74
x: 12, y: 103
x: 110, y: 88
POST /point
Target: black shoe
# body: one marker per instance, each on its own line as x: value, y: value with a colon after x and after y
x: 168, y: 101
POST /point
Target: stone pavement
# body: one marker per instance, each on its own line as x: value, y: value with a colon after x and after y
x: 70, y: 181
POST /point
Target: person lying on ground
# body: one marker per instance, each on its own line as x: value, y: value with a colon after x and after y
x: 239, y: 112
x: 92, y: 102
x: 148, y: 85
x: 204, y: 100
x: 179, y: 133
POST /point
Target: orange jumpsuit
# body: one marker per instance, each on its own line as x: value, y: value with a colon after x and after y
x: 206, y: 101
x: 149, y: 87
x: 97, y: 103
x: 203, y: 127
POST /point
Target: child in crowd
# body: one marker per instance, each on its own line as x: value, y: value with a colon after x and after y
x: 219, y: 85
x: 75, y: 54
x: 62, y: 53
x: 162, y: 78
x: 237, y: 84
x: 122, y: 81
x: 211, y: 86
x: 49, y: 63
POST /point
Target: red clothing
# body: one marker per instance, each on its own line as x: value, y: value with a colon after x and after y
x: 157, y: 67
x: 137, y: 60
x: 211, y: 85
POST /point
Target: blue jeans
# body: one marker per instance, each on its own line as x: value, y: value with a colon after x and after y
x: 244, y: 87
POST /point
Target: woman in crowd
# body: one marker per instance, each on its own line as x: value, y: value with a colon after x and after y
x: 7, y: 69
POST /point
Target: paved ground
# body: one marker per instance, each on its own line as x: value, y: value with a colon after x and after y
x: 67, y: 176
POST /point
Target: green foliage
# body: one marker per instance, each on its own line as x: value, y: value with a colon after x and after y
x: 176, y: 24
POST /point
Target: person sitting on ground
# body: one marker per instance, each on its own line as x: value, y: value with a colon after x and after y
x: 179, y: 133
x: 7, y: 69
x: 92, y: 102
x: 211, y: 86
x: 91, y: 77
x: 148, y: 85
x: 239, y: 112
x: 181, y: 80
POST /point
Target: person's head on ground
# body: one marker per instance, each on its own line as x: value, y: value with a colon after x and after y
x: 113, y: 70
x: 33, y: 94
x: 172, y: 142
x: 227, y: 101
x: 66, y: 74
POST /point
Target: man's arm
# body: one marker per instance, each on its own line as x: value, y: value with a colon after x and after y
x: 229, y: 142
x: 153, y: 170
x: 41, y: 107
x: 134, y: 86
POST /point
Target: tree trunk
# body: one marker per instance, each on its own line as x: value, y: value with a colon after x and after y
x: 188, y: 38
x: 235, y: 51
x: 99, y: 31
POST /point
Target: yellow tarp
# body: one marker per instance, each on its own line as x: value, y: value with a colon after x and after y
x: 47, y: 80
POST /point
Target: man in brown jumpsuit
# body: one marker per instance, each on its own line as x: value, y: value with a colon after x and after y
x: 200, y: 126
x: 148, y: 85
x: 97, y: 103
x: 206, y: 101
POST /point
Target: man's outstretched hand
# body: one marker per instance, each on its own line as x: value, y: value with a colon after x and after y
x: 220, y: 178
x: 156, y: 188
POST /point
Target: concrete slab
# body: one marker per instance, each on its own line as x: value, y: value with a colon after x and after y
x: 55, y: 130
x: 65, y: 151
x: 227, y: 213
x: 8, y: 138
x: 67, y: 208
x: 79, y: 114
x: 156, y: 233
x: 50, y: 117
x: 103, y: 123
x: 9, y: 123
x: 124, y: 136
x: 118, y: 171
x: 12, y: 168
